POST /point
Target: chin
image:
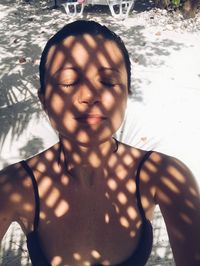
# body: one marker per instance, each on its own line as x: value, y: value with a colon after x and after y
x: 88, y: 136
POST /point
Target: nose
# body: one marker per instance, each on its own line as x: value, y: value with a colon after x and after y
x: 89, y: 95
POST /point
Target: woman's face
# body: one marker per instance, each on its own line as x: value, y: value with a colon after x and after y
x: 86, y: 88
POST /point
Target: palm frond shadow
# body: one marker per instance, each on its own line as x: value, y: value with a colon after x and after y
x: 13, y: 250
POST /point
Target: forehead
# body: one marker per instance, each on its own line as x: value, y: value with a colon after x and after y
x: 85, y: 50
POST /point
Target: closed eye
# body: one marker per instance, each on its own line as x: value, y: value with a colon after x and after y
x: 67, y: 84
x: 108, y: 83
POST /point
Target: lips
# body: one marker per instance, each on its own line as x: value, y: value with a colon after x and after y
x: 91, y: 119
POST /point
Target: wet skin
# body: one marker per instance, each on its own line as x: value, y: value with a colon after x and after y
x: 86, y: 89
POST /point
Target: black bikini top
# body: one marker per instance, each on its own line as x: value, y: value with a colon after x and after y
x: 139, y: 256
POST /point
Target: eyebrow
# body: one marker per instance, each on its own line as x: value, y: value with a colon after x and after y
x: 65, y: 68
x: 110, y: 69
x: 101, y: 69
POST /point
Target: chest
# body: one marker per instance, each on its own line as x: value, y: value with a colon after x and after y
x: 99, y: 223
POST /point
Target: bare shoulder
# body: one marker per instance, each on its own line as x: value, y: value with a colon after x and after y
x: 165, y: 174
x: 17, y: 194
x: 177, y: 194
x: 11, y: 179
x: 174, y: 184
x: 172, y: 178
x: 45, y: 160
x: 15, y: 181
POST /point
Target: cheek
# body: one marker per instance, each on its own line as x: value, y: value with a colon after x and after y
x: 115, y: 105
x: 59, y: 111
x: 64, y: 123
x: 114, y: 102
x: 108, y: 101
x: 57, y: 104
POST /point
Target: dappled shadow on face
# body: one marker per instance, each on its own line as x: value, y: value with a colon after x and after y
x: 86, y: 182
x: 86, y: 88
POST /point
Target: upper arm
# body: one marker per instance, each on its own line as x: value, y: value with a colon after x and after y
x: 16, y: 199
x: 177, y: 194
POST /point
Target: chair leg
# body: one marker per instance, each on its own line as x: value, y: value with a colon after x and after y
x: 74, y: 7
x: 124, y: 7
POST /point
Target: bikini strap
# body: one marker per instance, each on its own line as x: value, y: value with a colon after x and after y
x: 138, y: 194
x: 36, y: 194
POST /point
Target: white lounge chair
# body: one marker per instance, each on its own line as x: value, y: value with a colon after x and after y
x: 118, y: 8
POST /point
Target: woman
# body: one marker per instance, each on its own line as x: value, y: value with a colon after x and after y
x: 88, y: 199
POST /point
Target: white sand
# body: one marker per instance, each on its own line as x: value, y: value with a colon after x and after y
x: 163, y: 114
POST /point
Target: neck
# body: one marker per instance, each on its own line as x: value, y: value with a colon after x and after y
x: 84, y: 162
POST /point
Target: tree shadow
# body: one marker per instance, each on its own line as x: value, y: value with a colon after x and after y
x: 13, y: 251
x: 32, y: 147
x: 161, y: 253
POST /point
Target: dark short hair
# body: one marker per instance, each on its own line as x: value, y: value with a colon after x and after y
x: 81, y: 27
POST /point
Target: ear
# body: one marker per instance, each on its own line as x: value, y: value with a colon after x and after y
x: 42, y: 99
